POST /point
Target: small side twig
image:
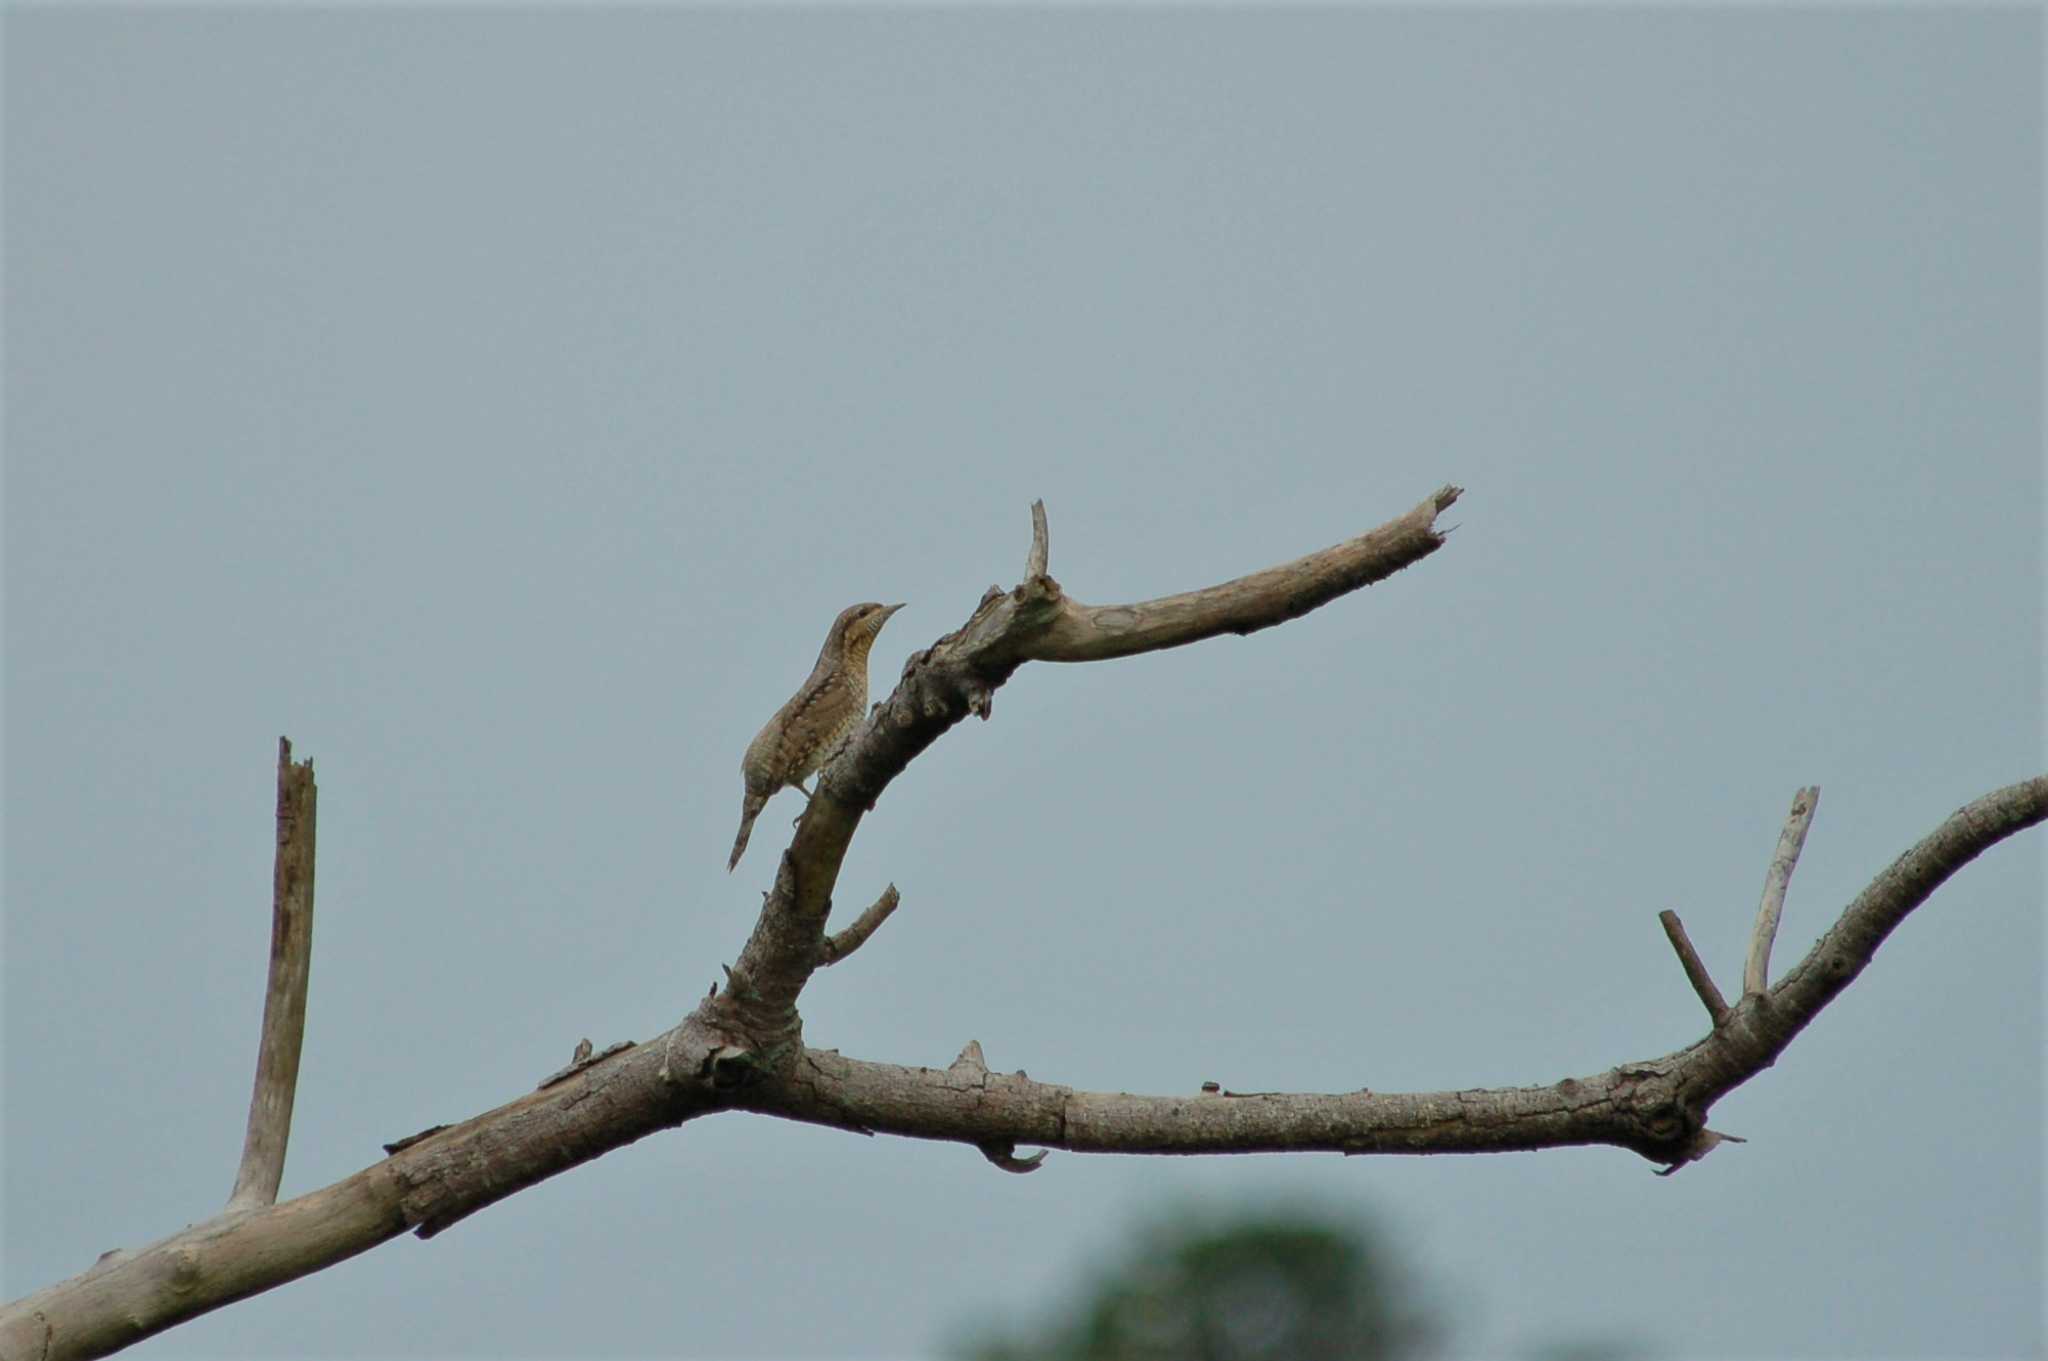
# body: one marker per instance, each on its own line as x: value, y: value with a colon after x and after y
x: 400, y: 1145
x: 584, y: 1057
x: 843, y: 943
x: 1004, y: 1155
x: 1757, y: 969
x: 1035, y: 562
x: 284, y: 1000
x: 1695, y: 970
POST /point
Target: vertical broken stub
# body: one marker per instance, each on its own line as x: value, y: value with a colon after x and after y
x: 284, y: 1001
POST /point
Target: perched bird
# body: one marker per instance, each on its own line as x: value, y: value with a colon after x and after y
x: 804, y: 731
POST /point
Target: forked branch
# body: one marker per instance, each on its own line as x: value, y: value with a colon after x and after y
x: 959, y: 674
x: 1655, y: 1106
x: 742, y: 1048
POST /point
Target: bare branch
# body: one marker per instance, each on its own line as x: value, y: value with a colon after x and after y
x: 1760, y: 1028
x: 1035, y: 561
x: 843, y: 943
x: 1656, y: 1107
x: 1093, y: 633
x: 435, y: 1179
x: 284, y: 1001
x: 1756, y: 971
x: 742, y: 1049
x: 128, y: 1296
x: 959, y: 675
x: 1632, y: 1107
x: 1695, y: 969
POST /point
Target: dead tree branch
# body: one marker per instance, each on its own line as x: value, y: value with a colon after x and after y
x: 284, y: 1000
x: 1656, y: 1107
x: 840, y: 944
x: 959, y: 674
x: 1757, y: 968
x: 742, y: 1048
x: 1761, y: 1027
x: 1695, y: 969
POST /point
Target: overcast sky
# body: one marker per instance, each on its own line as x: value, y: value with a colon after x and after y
x: 501, y: 404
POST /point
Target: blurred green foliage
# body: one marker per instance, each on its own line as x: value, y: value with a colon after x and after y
x: 1286, y: 1286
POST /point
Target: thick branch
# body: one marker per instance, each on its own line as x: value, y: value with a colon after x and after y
x: 1630, y: 1107
x: 1656, y: 1107
x: 432, y: 1182
x: 284, y: 1001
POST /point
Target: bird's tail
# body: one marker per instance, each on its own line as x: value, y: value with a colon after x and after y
x: 749, y: 810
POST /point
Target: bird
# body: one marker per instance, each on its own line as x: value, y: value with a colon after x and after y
x: 823, y: 710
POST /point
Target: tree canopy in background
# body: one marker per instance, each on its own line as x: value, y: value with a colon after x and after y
x: 1270, y: 1284
x: 1253, y: 1287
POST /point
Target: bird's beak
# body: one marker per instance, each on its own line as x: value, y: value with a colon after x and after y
x: 892, y: 609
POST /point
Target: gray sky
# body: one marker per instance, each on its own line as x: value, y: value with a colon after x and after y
x: 502, y: 403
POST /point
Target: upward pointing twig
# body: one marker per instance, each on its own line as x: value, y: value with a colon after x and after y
x: 1695, y: 968
x: 284, y: 1002
x: 1756, y: 971
x: 1035, y: 561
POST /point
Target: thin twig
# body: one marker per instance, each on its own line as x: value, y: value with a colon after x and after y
x: 1756, y: 970
x: 1035, y: 562
x: 1695, y: 969
x: 843, y: 943
x: 284, y: 1001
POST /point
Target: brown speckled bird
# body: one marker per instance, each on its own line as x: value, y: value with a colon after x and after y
x: 825, y: 709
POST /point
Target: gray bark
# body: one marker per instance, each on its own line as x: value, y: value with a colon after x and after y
x: 741, y: 1048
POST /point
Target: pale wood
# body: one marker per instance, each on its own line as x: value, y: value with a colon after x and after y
x: 1093, y: 633
x: 1041, y: 543
x: 742, y: 1049
x: 1756, y: 970
x: 1656, y: 1107
x: 284, y: 1000
x: 959, y: 674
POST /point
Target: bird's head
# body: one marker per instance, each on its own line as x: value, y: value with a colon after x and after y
x: 855, y: 628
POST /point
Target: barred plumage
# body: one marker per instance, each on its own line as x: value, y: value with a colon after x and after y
x: 824, y: 710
